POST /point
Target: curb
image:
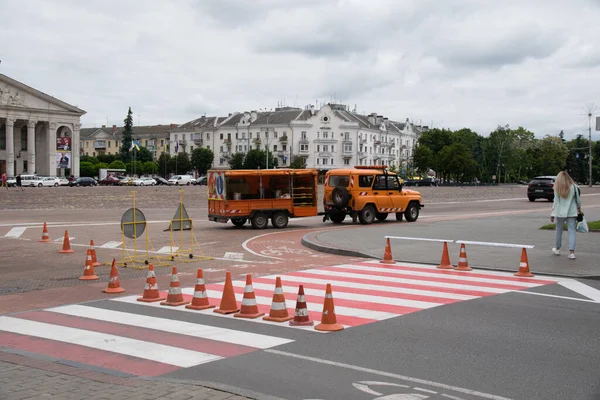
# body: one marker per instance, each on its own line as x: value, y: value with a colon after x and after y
x: 314, y: 245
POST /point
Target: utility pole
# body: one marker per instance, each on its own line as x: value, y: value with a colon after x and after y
x: 590, y: 143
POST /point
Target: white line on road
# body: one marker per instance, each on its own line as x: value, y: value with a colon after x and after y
x: 15, y: 232
x: 582, y: 289
x: 388, y: 374
x: 495, y: 200
x: 555, y: 296
x: 110, y: 245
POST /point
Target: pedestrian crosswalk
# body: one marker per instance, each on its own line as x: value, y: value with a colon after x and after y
x: 134, y: 337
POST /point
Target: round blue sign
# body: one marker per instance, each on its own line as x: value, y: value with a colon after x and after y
x: 220, y: 185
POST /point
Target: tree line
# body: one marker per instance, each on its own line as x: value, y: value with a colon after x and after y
x: 506, y: 155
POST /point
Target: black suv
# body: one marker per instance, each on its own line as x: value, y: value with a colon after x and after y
x: 541, y: 187
x: 83, y: 181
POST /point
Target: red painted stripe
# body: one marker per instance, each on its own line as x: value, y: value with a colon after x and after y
x: 426, y: 278
x: 314, y: 315
x: 342, y: 279
x: 341, y: 288
x: 148, y: 335
x: 361, y: 305
x: 457, y: 273
x: 85, y: 355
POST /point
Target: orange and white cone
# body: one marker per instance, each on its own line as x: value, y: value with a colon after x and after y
x: 200, y: 300
x: 114, y: 285
x: 301, y: 317
x: 249, y: 307
x: 151, y: 292
x: 463, y: 264
x: 524, y: 266
x: 174, y: 297
x: 228, y: 302
x: 279, y: 311
x: 329, y: 319
x: 95, y: 262
x: 387, y: 254
x: 66, y: 244
x: 445, y: 263
x: 88, y: 271
x: 45, y: 236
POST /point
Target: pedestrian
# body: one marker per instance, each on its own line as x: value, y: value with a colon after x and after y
x: 4, y: 180
x: 567, y: 205
x: 19, y: 182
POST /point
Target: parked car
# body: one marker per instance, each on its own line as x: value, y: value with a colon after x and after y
x: 40, y: 181
x: 83, y: 181
x: 11, y: 181
x: 179, y: 180
x: 200, y: 181
x: 127, y: 181
x: 541, y: 187
x: 110, y: 180
x: 63, y: 181
x: 160, y: 180
x: 144, y: 182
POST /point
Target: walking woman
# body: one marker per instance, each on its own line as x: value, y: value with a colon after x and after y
x: 565, y: 208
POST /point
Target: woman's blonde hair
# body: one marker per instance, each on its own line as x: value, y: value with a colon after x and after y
x: 563, y: 183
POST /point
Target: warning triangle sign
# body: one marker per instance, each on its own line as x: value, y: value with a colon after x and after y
x: 181, y: 220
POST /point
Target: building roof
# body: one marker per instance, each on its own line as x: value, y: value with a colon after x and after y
x: 138, y: 131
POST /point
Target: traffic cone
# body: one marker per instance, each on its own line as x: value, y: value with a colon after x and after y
x: 95, y: 262
x: 114, y: 286
x: 175, y: 297
x: 279, y: 311
x: 524, y: 266
x: 228, y: 302
x: 463, y: 264
x: 249, y: 307
x: 88, y: 271
x: 200, y: 300
x: 151, y: 293
x: 66, y: 244
x: 45, y: 236
x: 301, y: 317
x: 445, y: 263
x: 387, y: 255
x: 329, y: 319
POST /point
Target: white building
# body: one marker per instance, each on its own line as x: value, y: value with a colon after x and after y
x: 328, y: 138
x: 37, y: 132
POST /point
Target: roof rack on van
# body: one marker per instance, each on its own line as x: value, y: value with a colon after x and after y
x: 370, y: 166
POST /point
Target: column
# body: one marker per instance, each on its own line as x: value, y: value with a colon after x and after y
x: 31, y: 168
x: 10, y: 147
x: 75, y: 149
x: 51, y: 135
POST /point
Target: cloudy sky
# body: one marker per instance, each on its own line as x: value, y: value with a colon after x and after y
x: 444, y: 63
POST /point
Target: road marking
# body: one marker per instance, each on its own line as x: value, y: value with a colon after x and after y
x: 556, y: 296
x: 112, y: 343
x: 167, y: 249
x: 388, y: 374
x: 582, y: 289
x: 15, y: 232
x: 495, y: 200
x: 111, y: 245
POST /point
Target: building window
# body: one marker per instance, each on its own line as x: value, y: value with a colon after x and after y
x: 208, y: 147
x: 332, y: 148
x: 24, y: 138
x: 348, y: 148
x: 87, y: 144
x: 303, y: 135
x: 318, y: 148
x: 303, y: 147
x: 25, y: 166
x: 221, y: 137
x: 325, y: 135
x: 275, y: 134
x: 325, y: 147
x: 347, y: 161
x: 317, y: 161
x: 221, y: 161
x: 284, y: 147
x: 346, y: 135
x: 275, y: 147
x: 331, y: 161
x: 175, y: 137
x: 208, y: 136
x: 162, y: 143
x: 108, y: 143
x: 191, y: 148
x: 221, y: 149
x: 2, y: 137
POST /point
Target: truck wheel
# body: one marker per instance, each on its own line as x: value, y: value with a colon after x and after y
x: 260, y: 220
x: 340, y: 196
x: 399, y: 216
x: 381, y: 216
x: 337, y: 217
x: 238, y: 221
x: 280, y: 220
x: 367, y: 215
x: 412, y: 212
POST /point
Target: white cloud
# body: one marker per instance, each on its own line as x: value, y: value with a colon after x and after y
x: 474, y: 63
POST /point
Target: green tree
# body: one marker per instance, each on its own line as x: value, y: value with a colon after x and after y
x: 458, y: 163
x: 298, y: 162
x: 552, y: 155
x: 100, y: 166
x: 117, y: 164
x: 163, y: 164
x: 577, y: 165
x: 134, y: 167
x: 143, y: 155
x: 202, y: 159
x: 150, y: 168
x: 255, y: 158
x: 127, y: 136
x: 107, y: 158
x: 180, y: 164
x: 237, y: 161
x: 86, y: 168
x: 89, y: 159
x: 423, y: 158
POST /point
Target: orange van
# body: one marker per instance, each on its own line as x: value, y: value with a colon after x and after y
x: 259, y: 195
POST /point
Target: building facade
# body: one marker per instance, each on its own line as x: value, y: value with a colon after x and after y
x: 37, y: 132
x: 328, y: 138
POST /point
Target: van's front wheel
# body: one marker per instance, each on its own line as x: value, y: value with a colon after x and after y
x: 260, y: 220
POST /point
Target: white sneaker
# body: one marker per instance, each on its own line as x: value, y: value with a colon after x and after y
x: 571, y: 256
x: 556, y: 251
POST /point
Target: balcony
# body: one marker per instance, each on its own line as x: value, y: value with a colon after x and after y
x: 304, y: 140
x: 362, y: 141
x: 99, y: 144
x: 257, y: 142
x: 198, y: 139
x: 283, y: 140
x: 304, y: 151
x: 326, y: 140
x: 281, y: 153
x: 347, y: 151
x: 363, y: 154
x: 377, y: 142
x: 227, y: 142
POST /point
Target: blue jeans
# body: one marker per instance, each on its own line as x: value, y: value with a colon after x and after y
x: 571, y: 225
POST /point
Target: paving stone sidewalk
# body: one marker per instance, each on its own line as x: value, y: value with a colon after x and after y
x: 26, y: 378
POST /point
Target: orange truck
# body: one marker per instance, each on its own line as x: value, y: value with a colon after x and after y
x: 259, y: 195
